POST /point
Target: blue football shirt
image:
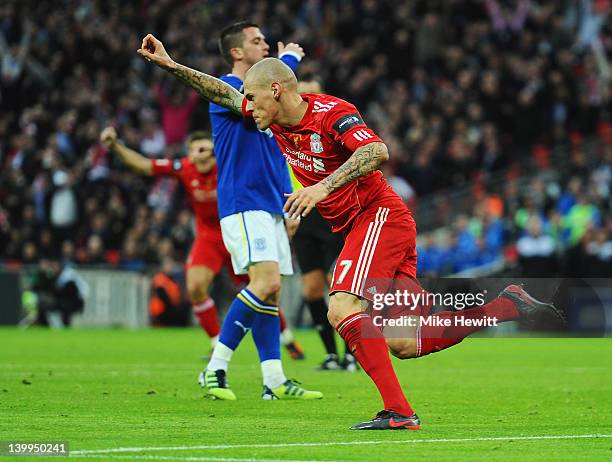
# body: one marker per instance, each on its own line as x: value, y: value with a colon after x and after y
x: 252, y: 174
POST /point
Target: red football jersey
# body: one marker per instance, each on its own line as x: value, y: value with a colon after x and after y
x: 201, y: 190
x: 328, y: 134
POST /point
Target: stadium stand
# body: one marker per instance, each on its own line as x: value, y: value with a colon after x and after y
x: 498, y: 115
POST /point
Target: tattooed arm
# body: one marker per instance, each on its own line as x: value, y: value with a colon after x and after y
x: 362, y: 162
x: 211, y: 88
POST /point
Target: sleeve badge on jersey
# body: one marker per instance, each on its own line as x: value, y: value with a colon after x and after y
x: 177, y: 165
x: 345, y: 123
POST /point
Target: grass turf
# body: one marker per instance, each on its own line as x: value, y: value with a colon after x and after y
x: 101, y: 389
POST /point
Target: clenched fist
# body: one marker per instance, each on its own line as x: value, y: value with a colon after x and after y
x: 154, y: 51
x: 108, y: 137
x: 292, y: 47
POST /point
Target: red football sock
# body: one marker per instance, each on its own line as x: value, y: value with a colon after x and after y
x: 369, y: 347
x: 433, y: 338
x: 283, y: 321
x: 206, y: 312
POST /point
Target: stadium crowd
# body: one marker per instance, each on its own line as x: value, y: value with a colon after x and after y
x: 458, y: 89
x: 550, y: 228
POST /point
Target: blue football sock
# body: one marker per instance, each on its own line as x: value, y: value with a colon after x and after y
x: 266, y: 326
x: 266, y: 334
x: 238, y: 321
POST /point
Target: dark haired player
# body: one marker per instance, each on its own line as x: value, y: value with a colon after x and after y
x: 252, y: 180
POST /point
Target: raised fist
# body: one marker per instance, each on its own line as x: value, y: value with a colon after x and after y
x: 108, y: 137
x: 154, y: 51
x: 293, y: 47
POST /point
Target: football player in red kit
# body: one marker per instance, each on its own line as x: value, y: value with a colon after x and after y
x: 198, y: 174
x: 336, y: 156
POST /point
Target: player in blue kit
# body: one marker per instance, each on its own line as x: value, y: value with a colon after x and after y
x: 252, y: 180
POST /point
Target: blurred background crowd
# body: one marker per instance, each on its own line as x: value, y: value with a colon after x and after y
x: 497, y: 113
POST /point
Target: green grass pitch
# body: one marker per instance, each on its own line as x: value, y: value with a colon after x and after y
x: 486, y: 399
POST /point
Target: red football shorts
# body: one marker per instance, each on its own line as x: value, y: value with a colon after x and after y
x: 380, y: 247
x: 208, y: 250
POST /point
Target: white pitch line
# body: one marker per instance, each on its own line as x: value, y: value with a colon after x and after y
x: 338, y: 443
x: 197, y: 458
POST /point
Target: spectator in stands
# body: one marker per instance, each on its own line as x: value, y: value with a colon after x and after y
x: 582, y: 258
x: 95, y: 251
x: 529, y: 210
x: 599, y: 253
x: 68, y: 253
x: 153, y: 141
x: 581, y: 216
x: 48, y: 246
x: 569, y: 197
x: 29, y: 255
x: 64, y: 207
x: 175, y: 112
x: 537, y: 251
x: 131, y: 256
x: 432, y: 257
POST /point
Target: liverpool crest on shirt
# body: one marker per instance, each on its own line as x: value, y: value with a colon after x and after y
x: 316, y: 146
